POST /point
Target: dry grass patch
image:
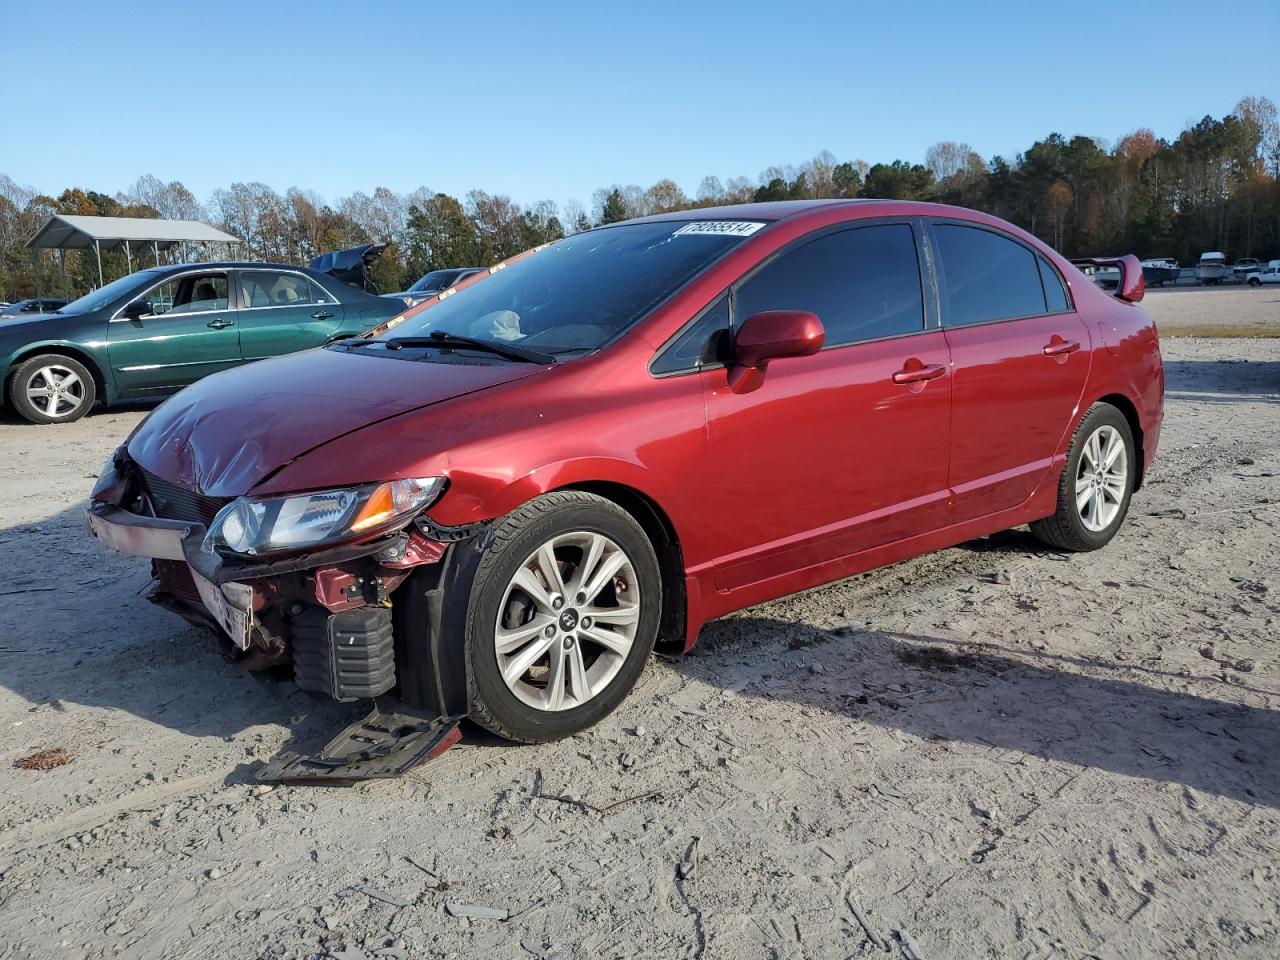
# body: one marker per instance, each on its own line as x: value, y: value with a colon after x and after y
x: 1220, y: 330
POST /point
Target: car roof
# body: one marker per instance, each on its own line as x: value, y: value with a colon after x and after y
x: 230, y: 265
x: 784, y: 210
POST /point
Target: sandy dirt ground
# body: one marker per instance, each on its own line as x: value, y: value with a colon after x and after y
x: 1207, y: 310
x: 992, y: 751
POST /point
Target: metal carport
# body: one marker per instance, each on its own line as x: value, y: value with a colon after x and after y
x: 131, y: 234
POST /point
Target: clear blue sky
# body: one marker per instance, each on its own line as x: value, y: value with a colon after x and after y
x: 548, y: 99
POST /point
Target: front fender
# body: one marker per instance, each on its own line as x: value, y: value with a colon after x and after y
x: 93, y: 355
x: 465, y: 503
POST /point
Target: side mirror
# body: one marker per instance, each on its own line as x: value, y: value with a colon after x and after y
x: 135, y: 310
x: 775, y: 334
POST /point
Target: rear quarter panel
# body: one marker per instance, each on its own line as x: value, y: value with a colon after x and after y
x: 1127, y: 362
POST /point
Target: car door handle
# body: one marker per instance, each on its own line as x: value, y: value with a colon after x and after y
x: 322, y: 315
x: 1057, y: 347
x: 918, y: 374
x: 220, y: 324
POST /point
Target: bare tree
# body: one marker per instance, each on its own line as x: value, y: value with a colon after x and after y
x: 574, y: 215
x: 1057, y: 204
x: 710, y: 190
x: 1259, y: 116
x: 663, y: 197
x: 947, y: 159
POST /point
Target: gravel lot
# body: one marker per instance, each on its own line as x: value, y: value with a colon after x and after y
x: 993, y: 751
x: 1210, y: 311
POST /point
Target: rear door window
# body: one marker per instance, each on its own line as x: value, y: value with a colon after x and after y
x: 1055, y: 294
x: 863, y: 284
x: 986, y: 276
x: 269, y: 288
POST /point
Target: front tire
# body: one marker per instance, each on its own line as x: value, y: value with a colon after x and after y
x: 563, y: 614
x: 1096, y: 484
x: 52, y: 388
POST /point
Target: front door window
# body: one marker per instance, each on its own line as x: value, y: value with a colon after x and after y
x: 192, y: 293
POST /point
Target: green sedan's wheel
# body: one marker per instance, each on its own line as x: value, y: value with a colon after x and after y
x: 51, y: 388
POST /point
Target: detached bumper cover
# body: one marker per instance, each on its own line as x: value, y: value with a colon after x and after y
x: 141, y: 536
x: 229, y: 603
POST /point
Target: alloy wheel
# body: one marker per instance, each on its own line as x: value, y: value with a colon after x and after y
x: 567, y: 621
x: 55, y: 390
x: 1102, y: 478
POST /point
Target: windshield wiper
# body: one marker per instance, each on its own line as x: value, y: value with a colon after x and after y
x: 441, y: 338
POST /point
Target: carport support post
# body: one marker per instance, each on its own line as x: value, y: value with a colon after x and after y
x: 155, y: 249
x: 128, y: 257
x: 97, y: 249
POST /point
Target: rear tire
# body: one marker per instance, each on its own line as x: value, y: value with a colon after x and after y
x: 563, y: 614
x: 1096, y: 483
x: 1255, y: 282
x: 52, y: 388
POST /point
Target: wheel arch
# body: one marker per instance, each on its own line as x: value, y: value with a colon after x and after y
x: 657, y: 526
x: 63, y: 350
x: 1130, y: 411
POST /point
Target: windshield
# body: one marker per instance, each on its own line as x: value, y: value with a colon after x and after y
x: 104, y: 295
x: 582, y: 291
x: 433, y: 281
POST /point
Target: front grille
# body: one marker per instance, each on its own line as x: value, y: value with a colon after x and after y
x: 175, y: 578
x: 172, y: 502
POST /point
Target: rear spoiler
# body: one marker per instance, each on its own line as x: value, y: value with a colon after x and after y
x: 1132, y: 286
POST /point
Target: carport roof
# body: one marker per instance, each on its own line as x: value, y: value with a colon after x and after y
x: 69, y: 232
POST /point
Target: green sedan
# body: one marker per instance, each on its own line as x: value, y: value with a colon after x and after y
x: 155, y: 331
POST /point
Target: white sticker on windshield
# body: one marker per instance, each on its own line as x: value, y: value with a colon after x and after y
x: 724, y: 228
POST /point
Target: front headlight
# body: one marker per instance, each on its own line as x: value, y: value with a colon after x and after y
x: 253, y: 525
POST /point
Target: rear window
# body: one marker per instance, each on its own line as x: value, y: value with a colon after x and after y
x: 986, y: 276
x: 581, y: 292
x: 434, y: 281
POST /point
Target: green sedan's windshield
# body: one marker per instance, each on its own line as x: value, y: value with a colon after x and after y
x: 582, y: 291
x: 104, y: 295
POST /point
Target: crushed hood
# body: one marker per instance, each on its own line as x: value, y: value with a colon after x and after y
x: 228, y: 432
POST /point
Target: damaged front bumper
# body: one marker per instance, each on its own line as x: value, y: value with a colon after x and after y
x: 230, y: 604
x: 329, y: 614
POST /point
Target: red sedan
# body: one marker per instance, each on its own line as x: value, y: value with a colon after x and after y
x: 496, y: 504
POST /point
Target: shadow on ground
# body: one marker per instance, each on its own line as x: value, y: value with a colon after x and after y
x: 147, y: 662
x: 1223, y: 381
x: 11, y: 418
x: 1084, y: 712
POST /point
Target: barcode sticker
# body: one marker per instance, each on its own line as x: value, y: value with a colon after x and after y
x: 724, y: 228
